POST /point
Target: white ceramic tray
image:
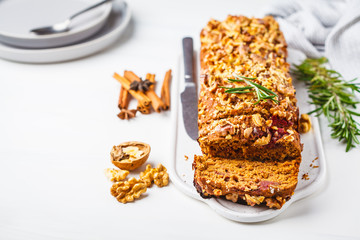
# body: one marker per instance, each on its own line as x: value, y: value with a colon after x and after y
x: 181, y: 172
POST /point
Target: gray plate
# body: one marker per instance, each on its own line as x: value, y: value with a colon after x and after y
x: 17, y: 17
x: 118, y: 20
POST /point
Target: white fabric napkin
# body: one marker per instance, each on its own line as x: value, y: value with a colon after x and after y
x: 323, y: 28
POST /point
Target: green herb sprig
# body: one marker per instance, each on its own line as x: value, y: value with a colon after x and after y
x: 262, y: 93
x: 334, y: 98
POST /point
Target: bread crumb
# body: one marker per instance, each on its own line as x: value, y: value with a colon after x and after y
x: 186, y: 157
x: 305, y: 176
x: 312, y: 165
x: 315, y: 159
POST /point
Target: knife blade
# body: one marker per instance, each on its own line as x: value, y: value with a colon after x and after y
x: 189, y: 97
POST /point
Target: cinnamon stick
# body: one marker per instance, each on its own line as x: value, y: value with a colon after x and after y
x: 156, y: 102
x: 124, y: 99
x: 131, y: 76
x: 143, y: 109
x: 165, y: 90
x: 151, y: 78
x: 140, y: 96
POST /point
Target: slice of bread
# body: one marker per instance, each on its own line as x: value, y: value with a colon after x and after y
x: 254, y: 182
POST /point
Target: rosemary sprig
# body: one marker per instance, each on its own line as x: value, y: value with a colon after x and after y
x: 262, y: 93
x: 333, y: 97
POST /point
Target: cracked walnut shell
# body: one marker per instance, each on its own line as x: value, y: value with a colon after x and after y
x: 128, y: 191
x: 158, y: 175
x: 130, y: 155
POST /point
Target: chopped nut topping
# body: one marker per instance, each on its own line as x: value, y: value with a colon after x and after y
x: 217, y: 192
x: 232, y: 196
x: 263, y: 141
x: 275, y: 203
x: 252, y: 200
x: 247, y: 132
x: 248, y: 47
x: 257, y: 120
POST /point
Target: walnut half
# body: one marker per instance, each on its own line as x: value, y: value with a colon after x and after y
x: 158, y: 175
x: 305, y: 123
x: 128, y: 191
x: 116, y: 175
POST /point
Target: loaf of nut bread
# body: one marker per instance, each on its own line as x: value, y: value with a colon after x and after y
x: 232, y: 125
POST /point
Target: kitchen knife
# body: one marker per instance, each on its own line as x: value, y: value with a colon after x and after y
x: 189, y: 97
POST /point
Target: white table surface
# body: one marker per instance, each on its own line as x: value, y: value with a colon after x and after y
x: 58, y: 124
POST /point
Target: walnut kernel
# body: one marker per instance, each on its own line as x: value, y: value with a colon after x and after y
x: 116, y: 175
x: 133, y: 152
x: 263, y: 141
x: 257, y: 120
x: 217, y: 192
x: 158, y: 175
x: 247, y: 132
x: 128, y: 191
x: 252, y: 200
x: 305, y: 123
x: 232, y: 196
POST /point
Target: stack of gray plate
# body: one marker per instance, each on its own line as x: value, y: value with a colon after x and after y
x: 89, y: 33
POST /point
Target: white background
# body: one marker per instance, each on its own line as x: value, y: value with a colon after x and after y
x: 58, y: 124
